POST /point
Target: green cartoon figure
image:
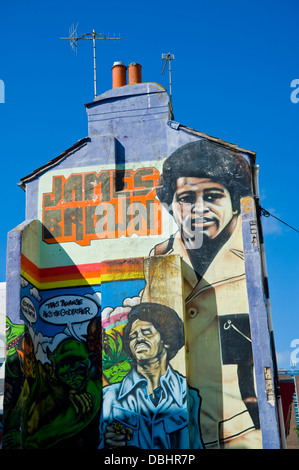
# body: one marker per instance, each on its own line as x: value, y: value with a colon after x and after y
x: 69, y: 412
x: 14, y: 335
x: 116, y: 364
x: 13, y: 382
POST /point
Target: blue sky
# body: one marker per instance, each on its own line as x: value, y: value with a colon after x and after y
x: 231, y: 78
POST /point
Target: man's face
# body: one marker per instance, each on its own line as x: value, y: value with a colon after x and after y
x: 145, y: 340
x: 201, y: 206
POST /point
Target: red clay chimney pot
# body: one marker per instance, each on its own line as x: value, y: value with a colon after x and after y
x: 119, y: 77
x: 134, y: 73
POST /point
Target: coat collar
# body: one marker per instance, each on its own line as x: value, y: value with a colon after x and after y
x: 228, y: 262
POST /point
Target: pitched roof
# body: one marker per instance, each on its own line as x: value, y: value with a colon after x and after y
x: 84, y: 141
x: 53, y: 162
x: 217, y: 140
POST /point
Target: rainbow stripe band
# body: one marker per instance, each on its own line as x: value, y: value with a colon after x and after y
x: 82, y: 274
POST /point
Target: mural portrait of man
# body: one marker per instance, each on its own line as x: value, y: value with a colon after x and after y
x: 201, y: 186
x: 149, y: 408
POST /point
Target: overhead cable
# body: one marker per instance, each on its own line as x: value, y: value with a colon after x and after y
x: 267, y: 214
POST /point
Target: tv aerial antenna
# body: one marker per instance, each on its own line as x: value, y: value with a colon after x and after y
x: 168, y: 58
x: 93, y: 36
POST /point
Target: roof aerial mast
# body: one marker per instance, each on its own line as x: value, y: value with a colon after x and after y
x: 93, y: 36
x: 168, y: 58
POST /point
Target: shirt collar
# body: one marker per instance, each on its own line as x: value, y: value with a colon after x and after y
x: 169, y: 380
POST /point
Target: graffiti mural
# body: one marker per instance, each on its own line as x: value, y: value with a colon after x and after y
x: 89, y: 206
x: 146, y: 400
x: 148, y: 408
x: 134, y: 325
x: 202, y: 184
x: 58, y: 350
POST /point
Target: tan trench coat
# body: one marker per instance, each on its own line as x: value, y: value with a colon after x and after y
x: 225, y: 420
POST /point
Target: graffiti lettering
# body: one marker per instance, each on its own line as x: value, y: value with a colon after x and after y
x: 28, y: 309
x: 253, y: 231
x: 80, y: 309
x: 62, y: 312
x: 87, y: 206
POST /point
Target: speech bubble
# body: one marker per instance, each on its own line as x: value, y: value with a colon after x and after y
x: 28, y: 309
x: 67, y: 309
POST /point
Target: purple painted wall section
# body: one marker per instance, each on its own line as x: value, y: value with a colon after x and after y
x: 262, y: 353
x: 125, y: 125
x: 13, y: 272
